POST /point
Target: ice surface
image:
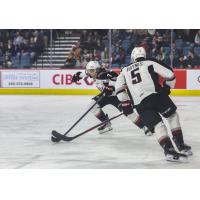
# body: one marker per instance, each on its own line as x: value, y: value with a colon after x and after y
x: 27, y: 121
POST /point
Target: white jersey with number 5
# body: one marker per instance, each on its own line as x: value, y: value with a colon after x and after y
x: 142, y: 79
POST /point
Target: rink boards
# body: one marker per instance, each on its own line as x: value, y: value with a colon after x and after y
x: 59, y: 82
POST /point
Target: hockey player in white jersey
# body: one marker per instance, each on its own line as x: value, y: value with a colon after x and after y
x: 152, y: 100
x: 105, y: 82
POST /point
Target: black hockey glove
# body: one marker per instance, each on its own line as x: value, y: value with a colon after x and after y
x: 127, y: 107
x: 108, y: 90
x: 76, y: 77
x: 166, y: 89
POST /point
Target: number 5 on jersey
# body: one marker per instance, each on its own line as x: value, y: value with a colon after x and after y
x: 136, y: 78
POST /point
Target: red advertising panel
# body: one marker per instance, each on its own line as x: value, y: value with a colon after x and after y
x: 180, y: 79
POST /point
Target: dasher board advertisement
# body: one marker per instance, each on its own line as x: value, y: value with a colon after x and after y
x: 62, y: 79
x: 193, y: 79
x: 20, y: 79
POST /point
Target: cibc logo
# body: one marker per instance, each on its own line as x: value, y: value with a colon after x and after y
x: 66, y: 79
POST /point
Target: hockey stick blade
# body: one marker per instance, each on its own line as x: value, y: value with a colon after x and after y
x: 59, y: 136
x: 68, y: 138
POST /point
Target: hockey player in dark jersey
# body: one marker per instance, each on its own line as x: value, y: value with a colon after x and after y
x: 105, y: 82
x: 152, y: 101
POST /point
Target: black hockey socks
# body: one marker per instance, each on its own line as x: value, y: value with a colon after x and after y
x: 166, y: 144
x: 178, y: 140
x: 178, y: 137
x: 139, y: 123
x: 101, y: 116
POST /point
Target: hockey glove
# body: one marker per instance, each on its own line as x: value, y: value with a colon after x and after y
x: 76, y: 77
x: 166, y: 89
x: 108, y: 90
x: 127, y: 107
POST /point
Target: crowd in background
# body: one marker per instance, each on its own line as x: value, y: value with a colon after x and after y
x: 94, y: 45
x: 22, y: 45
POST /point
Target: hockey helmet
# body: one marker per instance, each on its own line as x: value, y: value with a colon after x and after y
x: 138, y: 52
x: 92, y: 67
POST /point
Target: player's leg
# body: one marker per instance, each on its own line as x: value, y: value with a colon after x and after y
x: 135, y: 118
x: 168, y: 110
x: 99, y: 113
x: 153, y: 120
x: 174, y: 124
x: 126, y: 107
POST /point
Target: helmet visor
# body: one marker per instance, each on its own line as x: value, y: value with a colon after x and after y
x: 91, y: 71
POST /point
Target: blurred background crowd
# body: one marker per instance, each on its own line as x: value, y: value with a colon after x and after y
x: 24, y: 48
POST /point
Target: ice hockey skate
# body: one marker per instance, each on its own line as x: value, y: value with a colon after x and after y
x: 182, y: 147
x: 185, y: 149
x: 173, y: 156
x: 105, y: 128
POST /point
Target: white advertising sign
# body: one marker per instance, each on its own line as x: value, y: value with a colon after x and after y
x: 62, y: 79
x: 193, y: 79
x: 20, y: 78
x: 45, y: 79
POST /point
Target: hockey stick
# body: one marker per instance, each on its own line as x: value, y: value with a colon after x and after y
x: 67, y: 138
x: 53, y: 139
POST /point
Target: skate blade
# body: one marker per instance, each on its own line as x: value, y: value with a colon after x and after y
x: 187, y: 153
x: 179, y: 160
x: 105, y: 131
x: 149, y: 134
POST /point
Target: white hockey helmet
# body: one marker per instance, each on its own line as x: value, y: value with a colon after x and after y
x: 138, y: 52
x: 92, y: 66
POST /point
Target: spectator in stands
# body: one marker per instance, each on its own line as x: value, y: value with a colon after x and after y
x: 18, y: 40
x: 10, y: 49
x: 96, y: 55
x: 90, y: 38
x: 39, y: 42
x: 197, y: 38
x: 32, y: 49
x: 175, y: 53
x: 122, y: 54
x: 105, y: 55
x: 100, y: 45
x: 70, y: 61
x: 77, y: 51
x: 85, y: 54
x: 192, y: 60
x: 84, y: 36
x: 182, y: 61
x: 145, y: 45
x: 85, y: 60
x: 7, y: 62
x: 162, y: 56
x: 96, y: 36
x: 46, y: 37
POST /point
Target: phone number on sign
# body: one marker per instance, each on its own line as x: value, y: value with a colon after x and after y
x: 19, y: 83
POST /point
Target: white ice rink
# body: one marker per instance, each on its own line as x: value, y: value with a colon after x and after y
x: 27, y: 121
